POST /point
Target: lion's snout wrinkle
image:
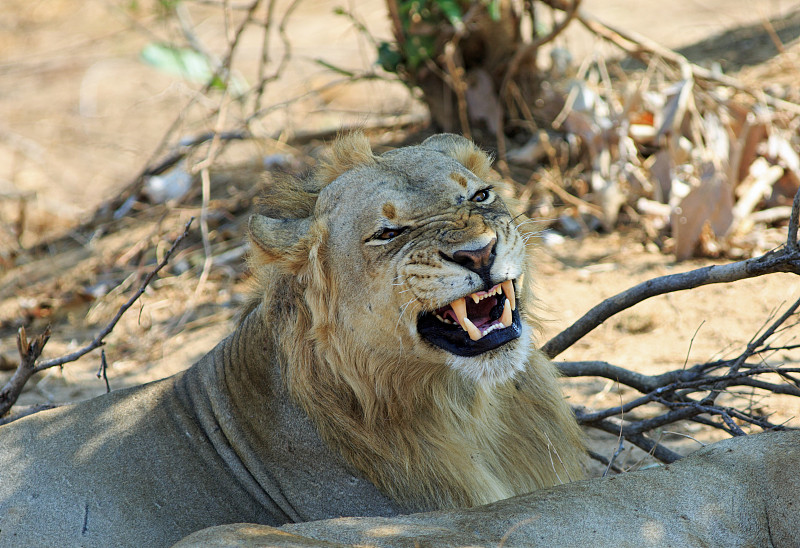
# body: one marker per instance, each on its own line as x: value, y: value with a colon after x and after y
x: 477, y: 259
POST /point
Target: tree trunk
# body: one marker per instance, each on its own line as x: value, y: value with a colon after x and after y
x: 462, y: 77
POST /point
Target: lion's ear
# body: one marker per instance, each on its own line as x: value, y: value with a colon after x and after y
x: 462, y: 150
x: 284, y: 242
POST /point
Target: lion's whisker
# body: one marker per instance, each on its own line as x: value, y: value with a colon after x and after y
x: 402, y: 312
x: 529, y: 221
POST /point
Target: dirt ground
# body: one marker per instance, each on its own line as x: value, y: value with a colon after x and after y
x: 81, y: 114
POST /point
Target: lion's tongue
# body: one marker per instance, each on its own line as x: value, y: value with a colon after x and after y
x: 481, y: 322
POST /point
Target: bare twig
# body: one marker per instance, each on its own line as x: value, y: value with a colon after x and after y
x: 522, y: 53
x: 794, y: 219
x: 783, y: 260
x: 637, y: 45
x: 690, y: 393
x: 263, y: 79
x: 262, y: 65
x: 603, y: 460
x: 617, y: 452
x: 31, y: 350
x: 25, y: 411
x: 103, y: 371
x: 456, y: 82
x: 571, y: 12
x: 644, y: 443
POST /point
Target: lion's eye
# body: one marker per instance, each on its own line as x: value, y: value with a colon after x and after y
x: 385, y: 235
x: 389, y: 233
x: 482, y: 195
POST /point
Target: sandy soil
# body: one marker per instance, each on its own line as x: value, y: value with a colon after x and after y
x: 80, y: 114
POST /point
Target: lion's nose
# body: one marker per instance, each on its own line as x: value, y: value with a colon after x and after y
x: 476, y: 259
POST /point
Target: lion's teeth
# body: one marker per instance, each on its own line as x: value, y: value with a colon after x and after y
x: 459, y: 306
x: 473, y: 332
x: 475, y: 298
x: 443, y: 319
x: 508, y: 289
x: 506, y: 318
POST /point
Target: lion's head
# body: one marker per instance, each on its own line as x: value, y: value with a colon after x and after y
x: 421, y: 258
x: 391, y: 287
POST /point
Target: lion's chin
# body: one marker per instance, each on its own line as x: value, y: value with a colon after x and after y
x: 495, y: 366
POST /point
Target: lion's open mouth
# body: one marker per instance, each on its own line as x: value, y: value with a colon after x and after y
x: 474, y: 324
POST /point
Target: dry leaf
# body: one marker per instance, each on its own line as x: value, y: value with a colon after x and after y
x: 711, y: 201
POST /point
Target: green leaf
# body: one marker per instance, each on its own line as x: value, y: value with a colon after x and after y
x: 494, y: 10
x: 418, y: 49
x: 451, y: 9
x: 388, y: 56
x: 183, y: 62
x: 334, y: 68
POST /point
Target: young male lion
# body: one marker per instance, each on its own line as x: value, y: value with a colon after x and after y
x: 384, y: 366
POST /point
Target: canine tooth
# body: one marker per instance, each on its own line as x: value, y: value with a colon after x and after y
x: 473, y: 332
x: 508, y: 289
x: 459, y: 306
x: 506, y: 318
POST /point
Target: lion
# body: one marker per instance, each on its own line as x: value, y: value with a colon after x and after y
x: 737, y: 492
x: 383, y: 366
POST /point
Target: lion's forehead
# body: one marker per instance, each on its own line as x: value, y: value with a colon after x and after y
x: 427, y: 170
x: 406, y: 183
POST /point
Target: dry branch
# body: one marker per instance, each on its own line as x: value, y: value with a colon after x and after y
x: 675, y: 390
x: 785, y: 259
x: 30, y: 351
x: 636, y: 45
x: 690, y: 393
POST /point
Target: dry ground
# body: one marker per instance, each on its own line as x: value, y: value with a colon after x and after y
x: 80, y: 115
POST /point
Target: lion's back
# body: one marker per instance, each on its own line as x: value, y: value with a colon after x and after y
x: 115, y: 467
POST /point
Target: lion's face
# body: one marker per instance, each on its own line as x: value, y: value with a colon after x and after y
x: 426, y: 261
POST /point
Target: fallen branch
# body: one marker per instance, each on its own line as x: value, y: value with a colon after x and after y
x: 785, y: 259
x: 31, y: 350
x: 691, y: 393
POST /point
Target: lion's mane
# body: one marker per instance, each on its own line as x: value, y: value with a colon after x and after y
x: 427, y: 437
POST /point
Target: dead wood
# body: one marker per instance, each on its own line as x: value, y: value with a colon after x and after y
x: 785, y: 259
x: 31, y: 350
x: 691, y: 393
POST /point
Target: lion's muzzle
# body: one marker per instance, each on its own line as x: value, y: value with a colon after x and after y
x: 474, y: 324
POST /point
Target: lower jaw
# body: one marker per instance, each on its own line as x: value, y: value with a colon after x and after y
x: 457, y: 341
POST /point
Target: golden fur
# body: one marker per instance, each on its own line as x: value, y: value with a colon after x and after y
x: 422, y: 427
